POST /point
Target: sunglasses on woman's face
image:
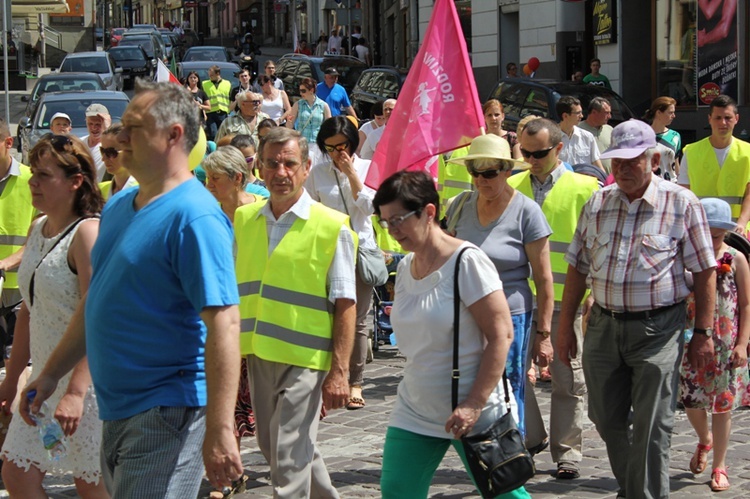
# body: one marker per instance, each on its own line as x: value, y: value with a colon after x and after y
x: 488, y: 174
x: 110, y: 152
x: 337, y: 147
x: 303, y: 90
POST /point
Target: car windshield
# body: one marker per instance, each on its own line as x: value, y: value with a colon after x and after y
x: 67, y: 85
x: 146, y: 43
x: 76, y: 109
x: 205, y: 55
x: 167, y: 40
x: 349, y: 72
x: 127, y: 54
x: 85, y: 65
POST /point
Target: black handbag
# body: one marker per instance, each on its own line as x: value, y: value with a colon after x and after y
x: 497, y: 456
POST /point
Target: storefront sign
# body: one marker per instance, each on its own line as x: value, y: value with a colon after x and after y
x: 75, y: 9
x: 717, y: 55
x: 190, y: 5
x: 605, y: 22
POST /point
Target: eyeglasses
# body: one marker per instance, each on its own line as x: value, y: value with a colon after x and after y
x: 541, y: 153
x: 303, y: 90
x: 254, y: 102
x: 395, y: 222
x: 110, y: 152
x: 337, y: 147
x: 249, y: 160
x: 488, y: 174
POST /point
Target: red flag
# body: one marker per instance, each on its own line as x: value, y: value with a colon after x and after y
x: 164, y: 74
x: 438, y: 109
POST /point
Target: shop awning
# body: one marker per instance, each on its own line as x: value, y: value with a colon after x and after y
x: 20, y: 7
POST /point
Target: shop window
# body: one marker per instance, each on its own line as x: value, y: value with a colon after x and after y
x: 464, y: 16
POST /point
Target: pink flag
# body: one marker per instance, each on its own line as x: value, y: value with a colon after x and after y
x: 164, y: 74
x: 438, y: 109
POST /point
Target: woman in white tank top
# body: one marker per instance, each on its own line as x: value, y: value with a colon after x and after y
x: 275, y: 102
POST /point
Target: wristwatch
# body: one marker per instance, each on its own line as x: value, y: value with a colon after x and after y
x: 709, y: 332
x: 544, y: 334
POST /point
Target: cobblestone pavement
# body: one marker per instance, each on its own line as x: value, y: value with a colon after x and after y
x: 352, y: 444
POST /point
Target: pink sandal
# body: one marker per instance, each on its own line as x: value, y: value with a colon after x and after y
x: 699, y: 462
x: 716, y: 475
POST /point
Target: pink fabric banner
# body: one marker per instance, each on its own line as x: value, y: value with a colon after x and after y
x: 438, y: 109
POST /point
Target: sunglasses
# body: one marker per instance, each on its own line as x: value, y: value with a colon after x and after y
x: 542, y: 153
x: 488, y: 174
x: 395, y: 222
x: 254, y: 102
x: 249, y: 160
x: 303, y: 90
x: 110, y: 152
x: 338, y: 147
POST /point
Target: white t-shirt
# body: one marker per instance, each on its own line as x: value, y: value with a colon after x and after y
x: 422, y: 319
x: 362, y: 52
x: 579, y: 148
x: 368, y: 128
x: 96, y: 153
x: 721, y: 156
x: 368, y: 149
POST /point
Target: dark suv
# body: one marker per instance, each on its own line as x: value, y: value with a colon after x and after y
x: 292, y: 68
x: 522, y: 96
x: 376, y: 84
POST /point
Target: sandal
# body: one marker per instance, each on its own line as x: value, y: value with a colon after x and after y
x: 717, y: 484
x: 545, y: 375
x: 699, y: 460
x: 355, y: 403
x: 567, y: 471
x: 238, y: 486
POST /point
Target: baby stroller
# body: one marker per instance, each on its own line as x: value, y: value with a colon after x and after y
x: 382, y: 301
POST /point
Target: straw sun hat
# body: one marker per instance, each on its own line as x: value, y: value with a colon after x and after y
x: 491, y: 146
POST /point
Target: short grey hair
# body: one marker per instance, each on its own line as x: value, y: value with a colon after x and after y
x: 245, y: 96
x: 173, y: 105
x: 229, y: 161
x: 282, y: 135
x: 597, y: 104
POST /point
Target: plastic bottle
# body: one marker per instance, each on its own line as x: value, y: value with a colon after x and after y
x: 50, y: 431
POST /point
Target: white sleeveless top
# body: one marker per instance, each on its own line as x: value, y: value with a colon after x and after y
x: 56, y: 296
x: 273, y: 108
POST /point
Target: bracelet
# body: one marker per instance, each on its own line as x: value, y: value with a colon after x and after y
x: 544, y: 334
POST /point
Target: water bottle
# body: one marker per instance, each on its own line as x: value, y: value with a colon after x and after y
x: 50, y: 431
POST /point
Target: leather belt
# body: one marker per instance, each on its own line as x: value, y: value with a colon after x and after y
x: 638, y: 316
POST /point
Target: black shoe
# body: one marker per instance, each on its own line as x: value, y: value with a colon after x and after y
x: 539, y: 447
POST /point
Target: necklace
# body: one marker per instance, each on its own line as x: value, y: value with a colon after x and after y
x: 429, y: 267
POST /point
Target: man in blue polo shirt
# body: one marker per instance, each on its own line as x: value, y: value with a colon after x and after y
x: 334, y: 94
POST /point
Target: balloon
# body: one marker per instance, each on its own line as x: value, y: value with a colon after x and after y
x: 198, y: 152
x: 534, y: 63
x: 527, y: 70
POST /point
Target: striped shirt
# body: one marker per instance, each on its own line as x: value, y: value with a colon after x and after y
x: 636, y: 254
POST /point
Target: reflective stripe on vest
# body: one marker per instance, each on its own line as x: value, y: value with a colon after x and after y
x: 218, y: 95
x: 285, y: 313
x: 727, y: 182
x: 16, y: 215
x: 561, y: 207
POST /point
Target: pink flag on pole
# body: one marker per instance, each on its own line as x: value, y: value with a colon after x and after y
x: 164, y: 74
x: 438, y: 109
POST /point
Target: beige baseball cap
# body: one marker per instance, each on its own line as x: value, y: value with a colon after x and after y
x: 96, y: 110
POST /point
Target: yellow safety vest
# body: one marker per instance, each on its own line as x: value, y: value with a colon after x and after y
x: 707, y: 179
x: 218, y: 95
x: 16, y: 215
x: 285, y: 313
x: 562, y: 207
x: 384, y: 239
x: 453, y: 178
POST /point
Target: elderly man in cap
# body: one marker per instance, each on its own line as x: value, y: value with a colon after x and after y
x: 334, y: 94
x: 60, y: 124
x: 97, y: 120
x: 634, y: 243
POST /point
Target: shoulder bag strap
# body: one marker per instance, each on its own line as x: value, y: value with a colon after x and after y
x: 455, y: 214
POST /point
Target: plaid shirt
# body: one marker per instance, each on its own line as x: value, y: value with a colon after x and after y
x: 636, y: 254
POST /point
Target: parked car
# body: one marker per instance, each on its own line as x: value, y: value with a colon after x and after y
x: 229, y: 70
x: 159, y: 51
x: 376, y: 84
x: 172, y: 44
x: 292, y: 68
x: 135, y: 63
x: 145, y: 42
x: 524, y: 96
x: 208, y: 53
x: 153, y: 27
x: 115, y: 35
x: 74, y: 104
x: 61, y: 82
x: 94, y: 62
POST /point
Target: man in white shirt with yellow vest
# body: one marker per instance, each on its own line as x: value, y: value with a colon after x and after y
x: 719, y: 165
x: 295, y: 272
x: 16, y: 214
x: 561, y: 195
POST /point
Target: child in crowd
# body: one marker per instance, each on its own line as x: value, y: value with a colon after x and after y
x: 718, y: 388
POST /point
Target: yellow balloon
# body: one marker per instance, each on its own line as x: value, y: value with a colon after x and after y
x: 199, y: 151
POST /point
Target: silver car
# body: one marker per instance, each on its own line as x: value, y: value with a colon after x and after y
x: 100, y: 63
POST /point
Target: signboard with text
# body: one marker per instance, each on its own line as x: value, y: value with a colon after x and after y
x: 604, y: 21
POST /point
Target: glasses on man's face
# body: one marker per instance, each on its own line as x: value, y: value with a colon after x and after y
x: 110, y: 152
x: 541, y: 153
x: 254, y: 102
x: 395, y: 221
x: 488, y: 174
x: 337, y: 147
